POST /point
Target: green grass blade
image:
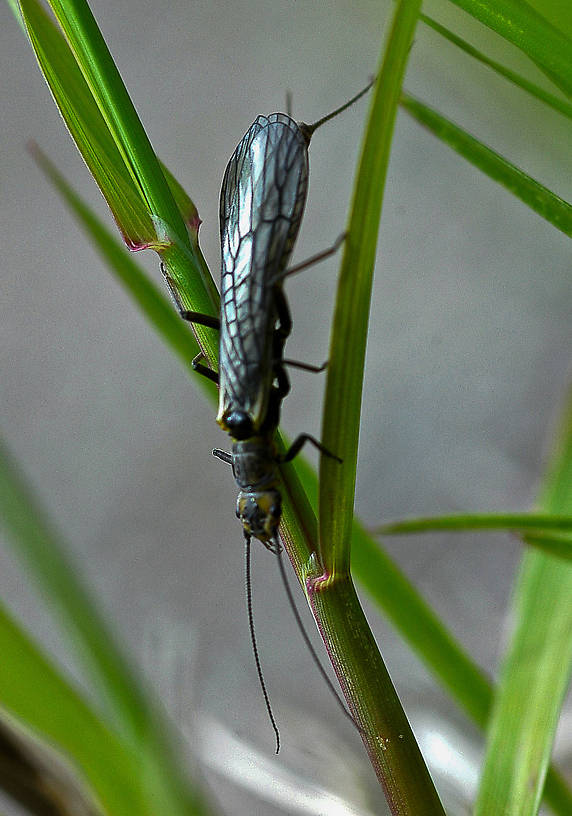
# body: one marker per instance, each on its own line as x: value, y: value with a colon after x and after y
x: 15, y: 8
x: 478, y: 521
x: 136, y: 716
x: 523, y: 26
x: 344, y: 384
x: 552, y: 534
x: 42, y: 702
x: 92, y: 136
x: 531, y: 88
x: 539, y: 198
x: 115, y: 105
x: 559, y: 545
x: 147, y: 202
x: 537, y: 665
x: 87, y: 126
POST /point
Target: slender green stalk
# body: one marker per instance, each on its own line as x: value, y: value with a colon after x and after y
x: 373, y: 701
x: 150, y: 207
x: 365, y: 682
x: 344, y: 382
x: 150, y: 300
x: 539, y: 522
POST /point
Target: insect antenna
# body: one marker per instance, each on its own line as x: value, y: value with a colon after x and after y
x: 308, y: 130
x: 278, y: 550
x: 248, y: 584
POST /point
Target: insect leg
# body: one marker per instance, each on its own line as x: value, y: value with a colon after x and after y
x: 273, y: 546
x: 202, y: 319
x: 281, y: 332
x: 321, y: 256
x: 299, y: 443
x: 204, y: 370
x: 192, y: 317
x: 284, y: 326
x: 305, y: 366
x: 282, y: 380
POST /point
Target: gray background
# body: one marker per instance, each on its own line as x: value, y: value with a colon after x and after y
x: 468, y: 362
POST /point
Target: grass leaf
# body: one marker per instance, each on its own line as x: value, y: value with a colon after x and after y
x: 344, y: 384
x: 150, y: 300
x: 553, y: 534
x: 536, y: 668
x: 519, y: 23
x: 41, y: 701
x: 539, y: 198
x: 531, y: 88
x: 145, y: 199
x: 88, y: 127
x: 114, y: 103
x: 132, y: 710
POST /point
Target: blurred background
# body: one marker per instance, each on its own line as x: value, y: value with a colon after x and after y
x: 468, y: 365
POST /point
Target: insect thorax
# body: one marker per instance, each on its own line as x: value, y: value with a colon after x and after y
x: 254, y: 463
x: 259, y: 504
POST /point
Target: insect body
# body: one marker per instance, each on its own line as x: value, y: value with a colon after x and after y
x: 262, y: 200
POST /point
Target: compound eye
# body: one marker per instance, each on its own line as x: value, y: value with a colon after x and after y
x: 239, y: 424
x: 275, y: 511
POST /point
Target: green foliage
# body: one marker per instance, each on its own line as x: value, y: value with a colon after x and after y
x: 126, y: 756
x: 122, y: 750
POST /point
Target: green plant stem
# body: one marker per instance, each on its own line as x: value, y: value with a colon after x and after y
x: 344, y: 381
x: 348, y: 639
x: 372, y: 699
x: 387, y: 586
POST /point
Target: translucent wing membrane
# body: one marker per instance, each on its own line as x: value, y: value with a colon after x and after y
x: 262, y: 200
